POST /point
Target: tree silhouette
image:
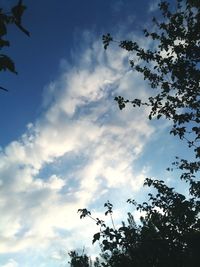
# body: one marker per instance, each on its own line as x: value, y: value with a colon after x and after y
x: 77, y: 260
x: 173, y: 69
x: 169, y: 232
x: 14, y: 16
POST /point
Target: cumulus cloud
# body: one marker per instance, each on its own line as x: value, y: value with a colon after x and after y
x: 81, y: 121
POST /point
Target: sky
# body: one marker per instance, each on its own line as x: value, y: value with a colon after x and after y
x: 64, y: 143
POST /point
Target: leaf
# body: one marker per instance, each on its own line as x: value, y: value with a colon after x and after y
x: 3, y: 29
x: 4, y: 43
x: 6, y: 63
x: 22, y: 29
x: 106, y: 40
x: 96, y: 237
x: 2, y: 88
x: 18, y: 11
x: 159, y: 116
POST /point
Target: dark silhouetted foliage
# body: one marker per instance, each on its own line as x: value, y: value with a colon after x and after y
x: 168, y: 233
x: 171, y: 67
x: 14, y: 16
x: 77, y: 260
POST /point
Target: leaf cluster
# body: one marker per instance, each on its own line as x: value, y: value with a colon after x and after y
x: 172, y: 70
x: 14, y: 17
x: 171, y: 67
x: 77, y: 260
x: 168, y: 233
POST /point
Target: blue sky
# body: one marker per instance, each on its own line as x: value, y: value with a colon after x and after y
x: 64, y: 143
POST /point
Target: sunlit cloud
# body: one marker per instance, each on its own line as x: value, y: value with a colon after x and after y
x: 80, y: 121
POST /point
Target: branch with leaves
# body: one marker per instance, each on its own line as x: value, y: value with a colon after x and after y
x: 172, y: 69
x: 13, y: 17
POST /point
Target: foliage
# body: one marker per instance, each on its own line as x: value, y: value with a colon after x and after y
x: 172, y: 68
x: 6, y: 19
x: 83, y: 260
x: 169, y: 232
x: 78, y: 260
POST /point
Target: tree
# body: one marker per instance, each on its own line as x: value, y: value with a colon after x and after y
x: 169, y: 232
x: 167, y: 236
x: 172, y: 68
x: 77, y: 260
x: 175, y: 60
x: 14, y: 16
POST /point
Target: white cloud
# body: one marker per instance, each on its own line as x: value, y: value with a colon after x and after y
x: 11, y: 263
x: 81, y: 119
